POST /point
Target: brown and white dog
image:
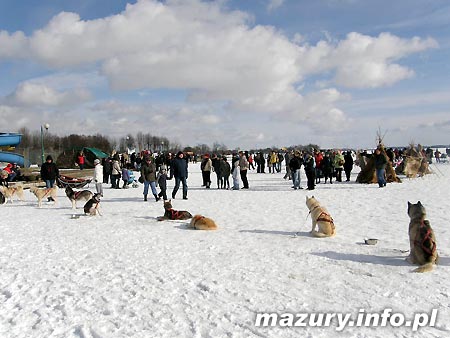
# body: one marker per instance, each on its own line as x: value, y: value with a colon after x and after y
x: 10, y: 192
x: 200, y: 222
x: 75, y: 196
x: 320, y: 217
x: 172, y: 214
x: 41, y: 193
x: 422, y: 240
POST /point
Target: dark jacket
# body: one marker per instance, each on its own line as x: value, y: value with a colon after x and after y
x: 327, y: 165
x: 162, y: 181
x: 380, y: 161
x: 309, y: 164
x: 295, y: 163
x: 179, y: 168
x: 225, y: 169
x: 49, y: 171
x: 348, y: 165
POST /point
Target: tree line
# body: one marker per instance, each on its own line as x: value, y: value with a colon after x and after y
x: 140, y: 141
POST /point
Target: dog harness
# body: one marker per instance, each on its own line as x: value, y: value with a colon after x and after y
x: 324, y: 217
x: 47, y: 191
x: 175, y: 214
x: 424, y: 236
x: 76, y: 194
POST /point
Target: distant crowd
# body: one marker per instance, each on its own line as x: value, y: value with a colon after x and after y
x: 229, y: 171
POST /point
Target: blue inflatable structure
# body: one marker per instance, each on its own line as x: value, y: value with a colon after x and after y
x: 10, y: 140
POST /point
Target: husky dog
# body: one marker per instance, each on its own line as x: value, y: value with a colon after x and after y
x: 200, y: 222
x: 320, y: 217
x: 75, y: 196
x: 422, y: 240
x: 92, y: 206
x: 42, y: 193
x: 10, y: 192
x: 171, y: 214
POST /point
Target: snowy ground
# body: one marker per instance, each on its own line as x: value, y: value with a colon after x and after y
x: 127, y: 275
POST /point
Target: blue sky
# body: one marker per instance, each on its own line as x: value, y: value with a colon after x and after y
x: 247, y: 74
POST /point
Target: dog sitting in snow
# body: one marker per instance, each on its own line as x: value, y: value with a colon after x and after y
x: 422, y: 240
x: 200, y: 222
x: 10, y: 192
x: 320, y: 217
x: 171, y: 214
x: 75, y: 196
x: 92, y: 207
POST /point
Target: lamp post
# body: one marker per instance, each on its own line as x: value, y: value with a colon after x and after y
x: 46, y: 126
x: 162, y: 146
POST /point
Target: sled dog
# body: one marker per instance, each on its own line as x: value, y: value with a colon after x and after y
x: 422, y: 240
x: 42, y: 193
x: 10, y: 192
x: 320, y: 217
x: 171, y: 214
x: 75, y: 196
x: 92, y: 207
x: 200, y: 222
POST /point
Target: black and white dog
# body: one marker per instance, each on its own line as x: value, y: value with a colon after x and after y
x: 75, y: 196
x: 91, y: 208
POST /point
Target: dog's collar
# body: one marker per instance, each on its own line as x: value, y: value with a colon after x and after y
x: 317, y: 206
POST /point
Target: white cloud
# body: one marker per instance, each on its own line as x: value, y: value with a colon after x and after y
x: 362, y: 61
x: 13, y: 45
x: 209, y: 51
x: 33, y: 94
x: 274, y: 4
x: 215, y: 55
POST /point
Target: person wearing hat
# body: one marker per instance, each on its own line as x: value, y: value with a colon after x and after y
x: 225, y: 171
x: 148, y: 172
x: 49, y: 173
x: 179, y: 170
x: 98, y: 176
x: 161, y: 179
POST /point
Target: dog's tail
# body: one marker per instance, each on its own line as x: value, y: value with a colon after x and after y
x: 315, y: 233
x: 424, y: 268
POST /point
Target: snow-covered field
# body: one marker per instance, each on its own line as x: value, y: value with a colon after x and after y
x: 127, y: 275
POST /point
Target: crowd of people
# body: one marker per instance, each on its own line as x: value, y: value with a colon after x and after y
x: 156, y: 168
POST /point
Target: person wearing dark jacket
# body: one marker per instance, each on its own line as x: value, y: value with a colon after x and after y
x: 380, y: 167
x: 348, y: 165
x: 295, y: 164
x: 310, y: 170
x: 179, y: 170
x: 161, y: 179
x: 216, y: 165
x: 107, y: 169
x: 327, y: 167
x: 49, y: 173
x: 225, y: 171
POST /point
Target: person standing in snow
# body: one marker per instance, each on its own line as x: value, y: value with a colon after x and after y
x: 236, y: 171
x: 148, y: 173
x: 179, y: 170
x: 243, y: 165
x: 161, y: 179
x: 348, y: 165
x: 98, y: 175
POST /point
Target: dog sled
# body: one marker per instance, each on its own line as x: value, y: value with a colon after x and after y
x: 73, y: 182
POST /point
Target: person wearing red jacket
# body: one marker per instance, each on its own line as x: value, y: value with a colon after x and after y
x: 81, y: 160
